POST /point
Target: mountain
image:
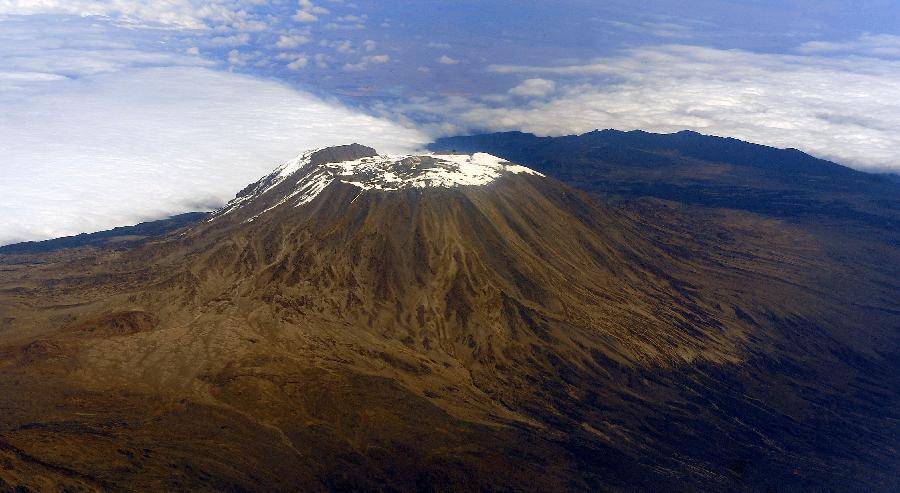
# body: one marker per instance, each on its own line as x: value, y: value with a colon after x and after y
x: 355, y: 321
x: 702, y: 170
x: 122, y: 236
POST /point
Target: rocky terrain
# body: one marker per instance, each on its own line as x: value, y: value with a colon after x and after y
x: 452, y: 322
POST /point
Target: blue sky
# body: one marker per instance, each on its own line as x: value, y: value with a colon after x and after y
x: 113, y: 112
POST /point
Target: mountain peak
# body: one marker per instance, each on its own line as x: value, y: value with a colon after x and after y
x: 301, y: 179
x: 341, y: 153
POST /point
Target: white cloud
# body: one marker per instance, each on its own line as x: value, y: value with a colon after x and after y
x: 344, y: 46
x: 298, y: 63
x: 369, y: 45
x: 365, y: 62
x: 250, y: 25
x: 534, y: 88
x: 875, y: 45
x: 75, y: 48
x: 189, y: 14
x: 659, y: 29
x: 846, y: 109
x: 446, y: 60
x: 312, y: 8
x: 322, y: 60
x: 304, y: 16
x: 291, y: 41
x: 352, y: 18
x: 235, y: 40
x: 309, y: 12
x: 334, y: 26
x: 236, y: 58
x: 118, y: 148
x: 355, y: 67
x: 603, y: 67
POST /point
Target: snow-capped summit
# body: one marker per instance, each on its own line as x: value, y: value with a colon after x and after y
x: 301, y: 179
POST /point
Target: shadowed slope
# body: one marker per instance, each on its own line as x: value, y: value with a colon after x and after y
x: 705, y: 171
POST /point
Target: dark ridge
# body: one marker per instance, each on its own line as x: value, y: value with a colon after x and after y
x: 698, y: 169
x: 893, y: 177
x: 686, y: 142
x: 337, y: 154
x: 123, y: 235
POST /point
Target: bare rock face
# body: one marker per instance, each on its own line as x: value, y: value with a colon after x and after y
x: 437, y: 321
x: 342, y: 153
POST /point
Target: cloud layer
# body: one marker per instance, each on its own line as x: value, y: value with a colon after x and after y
x: 846, y: 109
x: 113, y: 149
x: 188, y: 14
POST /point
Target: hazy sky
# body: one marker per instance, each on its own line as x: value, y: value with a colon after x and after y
x: 112, y: 112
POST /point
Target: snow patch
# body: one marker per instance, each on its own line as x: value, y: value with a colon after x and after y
x: 382, y: 172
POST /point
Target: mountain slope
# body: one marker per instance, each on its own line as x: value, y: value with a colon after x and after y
x: 356, y: 321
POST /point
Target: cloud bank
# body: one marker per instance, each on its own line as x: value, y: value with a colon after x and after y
x: 117, y: 117
x: 182, y: 14
x: 846, y: 109
x: 97, y: 152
